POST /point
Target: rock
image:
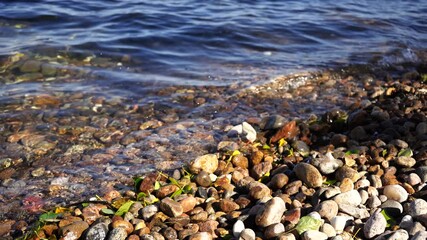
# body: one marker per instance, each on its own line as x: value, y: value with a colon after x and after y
x: 314, y: 235
x: 258, y: 190
x: 48, y: 70
x: 244, y: 130
x: 73, y: 230
x: 278, y: 181
x: 203, y: 179
x: 167, y: 190
x: 207, y: 163
x: 416, y: 227
x: 238, y: 227
x: 170, y: 233
x: 210, y: 227
x: 286, y: 236
x: 201, y: 236
x: 240, y: 161
x: 422, y: 173
x: 227, y: 205
x: 293, y: 215
x: 327, y: 209
x: 149, y: 211
x: 5, y: 227
x: 260, y: 170
x: 405, y: 161
x: 421, y: 235
x: 399, y: 234
x: 350, y: 198
x: 328, y: 229
x: 271, y: 212
x: 327, y: 164
x: 274, y: 230
x: 256, y: 157
x: 123, y: 224
x: 346, y: 185
x: 393, y: 208
x: 247, y: 234
x: 293, y: 187
x: 288, y: 131
x: 30, y: 66
x: 170, y: 207
x: 117, y: 234
x: 188, y: 203
x: 308, y: 174
x: 413, y: 179
x: 354, y: 211
x: 272, y: 122
x: 339, y: 223
x: 407, y: 222
x: 147, y: 184
x: 375, y: 225
x: 358, y: 133
x: 395, y: 192
x: 417, y: 208
x: 346, y: 172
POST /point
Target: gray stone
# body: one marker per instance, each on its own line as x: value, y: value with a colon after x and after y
x: 354, y: 211
x: 350, y: 198
x: 274, y: 230
x: 421, y: 235
x: 272, y: 122
x: 171, y: 207
x: 327, y: 164
x: 314, y: 235
x: 117, y: 234
x: 271, y: 213
x: 97, y: 231
x: 238, y: 227
x: 247, y: 234
x: 417, y: 208
x: 422, y: 173
x: 417, y: 227
x: 394, y: 208
x: 407, y: 222
x: 399, y: 234
x: 375, y: 225
x: 395, y: 192
x: 327, y: 209
x: 149, y: 211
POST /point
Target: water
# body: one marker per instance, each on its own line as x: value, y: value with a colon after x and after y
x: 113, y: 89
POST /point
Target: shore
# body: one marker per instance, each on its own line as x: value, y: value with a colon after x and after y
x: 357, y: 173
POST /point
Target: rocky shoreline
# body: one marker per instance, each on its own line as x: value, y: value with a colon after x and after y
x: 355, y: 175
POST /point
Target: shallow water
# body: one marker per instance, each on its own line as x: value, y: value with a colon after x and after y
x: 93, y: 93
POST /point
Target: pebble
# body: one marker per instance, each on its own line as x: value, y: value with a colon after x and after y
x: 170, y: 207
x: 244, y: 130
x: 278, y: 181
x: 327, y: 209
x: 399, y: 234
x: 286, y: 236
x: 394, y: 208
x: 405, y: 161
x: 201, y: 236
x: 354, y: 211
x: 417, y: 227
x: 328, y: 229
x: 259, y: 190
x: 228, y: 205
x: 395, y: 192
x: 272, y: 122
x: 123, y: 224
x: 339, y: 223
x: 247, y: 234
x: 350, y: 198
x: 271, y: 212
x: 421, y: 235
x: 207, y: 163
x: 346, y: 172
x: 422, y: 173
x: 407, y: 222
x: 188, y: 203
x: 73, y: 230
x: 274, y: 230
x: 417, y: 208
x: 308, y: 174
x: 238, y: 227
x: 203, y: 179
x: 314, y: 235
x: 327, y: 164
x: 117, y: 234
x: 375, y: 225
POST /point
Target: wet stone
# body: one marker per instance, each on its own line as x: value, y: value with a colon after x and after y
x: 30, y: 66
x: 272, y: 122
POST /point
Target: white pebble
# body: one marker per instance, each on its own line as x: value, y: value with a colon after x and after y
x: 238, y: 227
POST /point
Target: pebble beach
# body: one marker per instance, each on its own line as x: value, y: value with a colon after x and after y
x: 358, y: 173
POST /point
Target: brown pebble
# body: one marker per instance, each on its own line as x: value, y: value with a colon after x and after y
x: 278, y: 181
x: 123, y: 224
x: 256, y: 157
x: 209, y: 226
x: 166, y: 191
x: 346, y: 185
x: 188, y: 203
x: 227, y: 205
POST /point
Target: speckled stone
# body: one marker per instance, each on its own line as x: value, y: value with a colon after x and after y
x: 308, y: 174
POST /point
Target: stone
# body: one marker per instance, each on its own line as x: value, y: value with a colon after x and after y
x: 393, y: 208
x: 149, y: 211
x: 288, y: 131
x: 209, y: 226
x: 421, y: 235
x: 167, y: 190
x: 412, y: 179
x: 354, y: 211
x: 358, y: 133
x: 123, y: 224
x: 375, y: 225
x: 407, y: 162
x: 308, y: 174
x: 327, y: 164
x: 188, y: 203
x: 407, y: 222
x: 314, y: 235
x: 207, y: 163
x: 260, y: 170
x: 240, y: 161
x: 416, y: 227
x: 417, y: 208
x: 327, y: 209
x: 271, y: 212
x: 30, y: 66
x: 228, y: 205
x: 170, y: 207
x: 258, y: 190
x: 73, y: 230
x: 350, y: 198
x: 245, y: 130
x: 422, y: 173
x: 238, y: 227
x: 274, y: 230
x: 339, y: 223
x: 293, y: 215
x: 278, y: 181
x: 170, y: 233
x: 272, y: 122
x: 346, y: 185
x: 286, y: 236
x: 395, y: 192
x: 256, y: 157
x: 399, y: 234
x: 117, y: 234
x: 327, y: 229
x: 247, y: 234
x: 201, y: 236
x: 203, y: 179
x: 293, y: 187
x: 346, y: 172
